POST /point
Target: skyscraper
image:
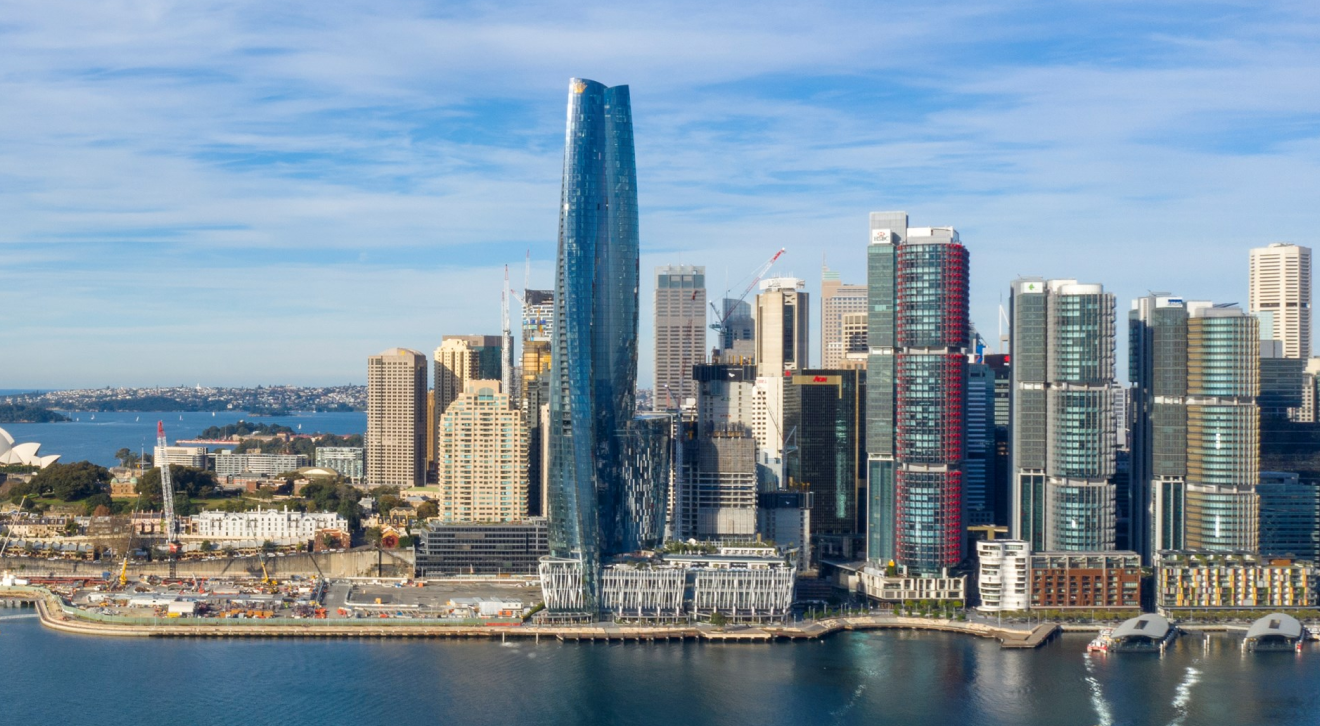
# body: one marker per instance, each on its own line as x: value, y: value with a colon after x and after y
x: 538, y: 309
x: 606, y: 488
x: 916, y: 393
x: 463, y: 358
x: 481, y: 459
x: 1279, y: 293
x: 680, y: 332
x: 783, y: 312
x: 837, y: 300
x: 1196, y: 426
x: 825, y: 411
x: 1064, y: 435
x: 396, y: 419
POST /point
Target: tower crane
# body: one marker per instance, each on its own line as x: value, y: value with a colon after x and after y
x: 723, y: 315
x: 167, y: 501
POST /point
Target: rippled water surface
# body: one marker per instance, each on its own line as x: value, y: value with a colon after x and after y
x: 857, y: 678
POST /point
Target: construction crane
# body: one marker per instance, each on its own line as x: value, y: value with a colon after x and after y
x: 167, y: 500
x: 723, y: 315
x: 10, y: 533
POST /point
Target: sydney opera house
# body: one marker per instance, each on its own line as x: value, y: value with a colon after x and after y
x: 22, y: 454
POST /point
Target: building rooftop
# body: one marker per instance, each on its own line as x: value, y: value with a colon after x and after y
x: 1149, y: 626
x: 1275, y: 625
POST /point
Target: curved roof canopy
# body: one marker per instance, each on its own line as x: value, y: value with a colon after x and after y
x: 1147, y: 626
x: 23, y: 454
x: 1275, y: 625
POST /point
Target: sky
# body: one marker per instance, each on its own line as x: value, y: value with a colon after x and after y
x: 242, y: 193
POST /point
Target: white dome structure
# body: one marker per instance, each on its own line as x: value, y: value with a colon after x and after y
x: 23, y: 454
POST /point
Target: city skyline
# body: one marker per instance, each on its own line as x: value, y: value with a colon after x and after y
x: 212, y: 182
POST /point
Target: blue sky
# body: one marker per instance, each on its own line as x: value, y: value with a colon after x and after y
x: 253, y: 192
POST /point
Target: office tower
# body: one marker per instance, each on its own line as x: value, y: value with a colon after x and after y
x: 481, y: 460
x: 680, y: 332
x: 837, y: 300
x: 979, y: 465
x: 824, y: 450
x: 716, y: 497
x: 1223, y: 429
x: 726, y: 398
x: 917, y: 390
x: 784, y: 518
x: 1289, y: 516
x: 1282, y: 382
x: 1064, y: 434
x: 738, y: 338
x: 1279, y: 293
x: 537, y: 326
x: 1196, y: 428
x: 608, y: 469
x: 431, y: 422
x: 1306, y: 412
x: 396, y: 419
x: 783, y: 312
x: 1001, y: 488
x: 768, y: 430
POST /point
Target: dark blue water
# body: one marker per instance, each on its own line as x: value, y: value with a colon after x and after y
x: 97, y: 436
x: 858, y: 678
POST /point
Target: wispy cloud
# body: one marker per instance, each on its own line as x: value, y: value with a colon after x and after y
x: 208, y: 190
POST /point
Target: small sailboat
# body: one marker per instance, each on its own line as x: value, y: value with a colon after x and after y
x: 213, y: 414
x: 136, y: 419
x: 93, y: 417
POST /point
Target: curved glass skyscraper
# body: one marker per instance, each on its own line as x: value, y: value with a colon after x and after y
x: 594, y: 352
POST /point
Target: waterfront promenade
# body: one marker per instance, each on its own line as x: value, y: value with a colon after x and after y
x: 57, y: 615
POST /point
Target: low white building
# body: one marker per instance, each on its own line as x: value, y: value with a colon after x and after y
x: 228, y: 463
x: 1004, y: 575
x: 877, y: 584
x: 278, y: 526
x: 196, y: 457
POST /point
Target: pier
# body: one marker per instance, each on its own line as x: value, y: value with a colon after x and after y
x: 55, y: 614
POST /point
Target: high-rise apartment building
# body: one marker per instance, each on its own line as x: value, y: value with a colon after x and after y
x: 1064, y: 439
x: 463, y: 358
x: 1196, y: 427
x: 783, y: 314
x: 396, y: 419
x: 837, y: 300
x: 481, y: 461
x: 680, y: 332
x: 1279, y: 294
x: 609, y: 469
x: 916, y: 393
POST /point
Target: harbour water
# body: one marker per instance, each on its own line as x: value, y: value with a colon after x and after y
x: 96, y: 436
x: 855, y: 678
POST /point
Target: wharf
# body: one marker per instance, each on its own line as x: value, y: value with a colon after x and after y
x: 56, y: 615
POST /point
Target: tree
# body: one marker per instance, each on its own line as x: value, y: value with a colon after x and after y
x: 268, y: 547
x: 372, y: 535
x: 97, y: 502
x: 718, y: 619
x: 207, y: 546
x: 427, y: 510
x: 197, y: 483
x: 124, y: 455
x: 71, y: 482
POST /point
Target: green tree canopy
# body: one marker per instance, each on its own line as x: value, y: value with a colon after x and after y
x: 71, y: 482
x: 187, y: 481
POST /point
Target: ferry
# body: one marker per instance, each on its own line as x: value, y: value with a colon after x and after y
x: 1276, y: 631
x: 1102, y: 642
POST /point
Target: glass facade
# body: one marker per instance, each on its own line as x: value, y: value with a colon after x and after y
x: 918, y: 333
x: 824, y: 409
x: 594, y: 353
x: 1064, y: 432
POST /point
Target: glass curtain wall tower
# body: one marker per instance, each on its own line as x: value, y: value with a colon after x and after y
x: 594, y: 354
x: 1196, y: 425
x: 1064, y: 434
x: 916, y: 393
